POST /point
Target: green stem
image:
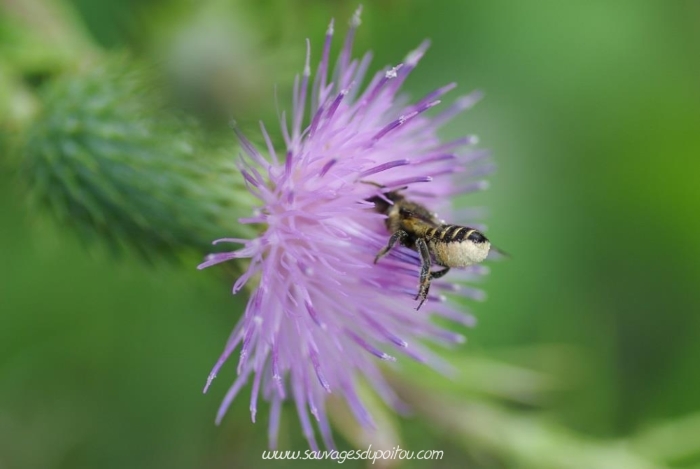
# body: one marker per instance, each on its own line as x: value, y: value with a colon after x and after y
x: 672, y: 441
x: 54, y: 23
x: 522, y: 440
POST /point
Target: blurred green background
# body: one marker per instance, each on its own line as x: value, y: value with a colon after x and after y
x: 587, y: 351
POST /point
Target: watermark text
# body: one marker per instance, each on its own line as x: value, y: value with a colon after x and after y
x: 368, y: 454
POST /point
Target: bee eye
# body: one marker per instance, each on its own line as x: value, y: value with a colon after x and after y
x: 476, y: 237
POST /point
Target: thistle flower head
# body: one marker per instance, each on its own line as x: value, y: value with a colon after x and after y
x: 109, y: 162
x: 322, y: 315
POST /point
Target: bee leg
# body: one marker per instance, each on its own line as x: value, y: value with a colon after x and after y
x: 424, y: 287
x: 440, y: 273
x: 395, y: 238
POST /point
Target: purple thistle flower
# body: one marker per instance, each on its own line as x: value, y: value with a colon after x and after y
x: 323, y: 314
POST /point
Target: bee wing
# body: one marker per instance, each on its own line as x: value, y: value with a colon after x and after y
x: 415, y: 224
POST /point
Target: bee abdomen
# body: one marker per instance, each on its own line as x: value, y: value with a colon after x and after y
x: 456, y: 234
x: 449, y: 233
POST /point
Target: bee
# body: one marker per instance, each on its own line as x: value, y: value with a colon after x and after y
x: 414, y: 226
